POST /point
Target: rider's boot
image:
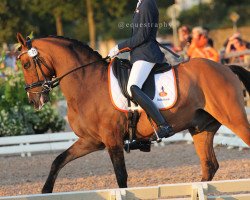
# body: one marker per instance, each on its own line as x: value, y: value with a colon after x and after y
x: 164, y: 129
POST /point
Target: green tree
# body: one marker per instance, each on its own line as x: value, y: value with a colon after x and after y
x: 113, y: 13
x: 91, y: 23
x: 107, y: 12
x: 67, y: 17
x: 216, y: 14
x: 17, y: 117
x: 60, y: 10
x: 13, y: 18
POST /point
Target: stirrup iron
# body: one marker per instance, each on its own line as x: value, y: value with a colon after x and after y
x: 158, y: 139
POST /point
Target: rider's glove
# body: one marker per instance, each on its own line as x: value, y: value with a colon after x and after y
x: 114, y: 52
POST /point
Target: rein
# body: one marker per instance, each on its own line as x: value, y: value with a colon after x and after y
x: 57, y: 80
x: 46, y: 84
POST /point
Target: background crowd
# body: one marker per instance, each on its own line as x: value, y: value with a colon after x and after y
x: 196, y: 43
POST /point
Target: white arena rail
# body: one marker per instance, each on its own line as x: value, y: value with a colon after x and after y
x: 227, y: 190
x: 224, y: 137
x: 27, y: 144
x: 42, y: 143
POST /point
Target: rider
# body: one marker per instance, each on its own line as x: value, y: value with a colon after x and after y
x: 145, y: 53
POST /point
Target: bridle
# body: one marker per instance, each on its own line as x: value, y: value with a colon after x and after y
x: 46, y: 84
x: 38, y: 62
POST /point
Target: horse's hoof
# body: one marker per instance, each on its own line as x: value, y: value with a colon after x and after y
x: 46, y: 191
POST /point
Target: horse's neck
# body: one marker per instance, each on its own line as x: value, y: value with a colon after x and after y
x: 81, y: 85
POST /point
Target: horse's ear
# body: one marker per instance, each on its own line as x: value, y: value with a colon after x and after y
x: 20, y: 39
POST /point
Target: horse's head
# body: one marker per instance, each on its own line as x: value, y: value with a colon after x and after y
x: 37, y: 72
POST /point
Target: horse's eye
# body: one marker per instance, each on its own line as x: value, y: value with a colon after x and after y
x: 26, y: 65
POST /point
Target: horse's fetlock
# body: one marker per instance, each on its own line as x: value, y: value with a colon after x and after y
x: 216, y: 167
x: 211, y: 169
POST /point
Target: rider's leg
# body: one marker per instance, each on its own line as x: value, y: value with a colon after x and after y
x: 138, y: 75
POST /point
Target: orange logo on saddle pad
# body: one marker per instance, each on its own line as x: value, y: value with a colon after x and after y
x: 163, y: 93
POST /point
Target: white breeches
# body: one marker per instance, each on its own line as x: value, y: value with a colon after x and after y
x: 139, y: 73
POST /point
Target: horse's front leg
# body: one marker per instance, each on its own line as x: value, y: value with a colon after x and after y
x: 80, y: 148
x: 117, y: 157
x: 113, y: 140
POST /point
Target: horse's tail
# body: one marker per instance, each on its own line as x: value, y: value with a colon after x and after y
x: 243, y: 75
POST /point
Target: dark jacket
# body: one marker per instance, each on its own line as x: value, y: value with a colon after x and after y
x: 142, y: 44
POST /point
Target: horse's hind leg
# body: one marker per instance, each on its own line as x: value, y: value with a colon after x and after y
x: 204, y: 148
x: 80, y: 148
x: 228, y: 109
x: 238, y: 123
x: 203, y: 142
x: 236, y: 120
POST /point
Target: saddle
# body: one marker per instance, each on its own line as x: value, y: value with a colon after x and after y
x: 122, y: 69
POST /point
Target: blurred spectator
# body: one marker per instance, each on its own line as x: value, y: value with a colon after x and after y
x: 235, y: 35
x: 10, y: 60
x: 184, y: 38
x: 236, y: 44
x: 210, y: 42
x: 199, y: 47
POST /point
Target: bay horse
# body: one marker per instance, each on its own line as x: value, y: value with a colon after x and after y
x: 209, y: 95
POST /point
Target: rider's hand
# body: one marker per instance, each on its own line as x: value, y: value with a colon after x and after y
x: 114, y: 52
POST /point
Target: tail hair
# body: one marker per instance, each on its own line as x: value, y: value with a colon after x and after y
x: 243, y: 74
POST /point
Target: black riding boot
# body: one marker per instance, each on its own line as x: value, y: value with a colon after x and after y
x: 164, y: 129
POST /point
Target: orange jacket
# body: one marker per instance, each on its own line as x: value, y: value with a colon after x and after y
x: 199, y: 49
x: 203, y: 52
x: 211, y: 54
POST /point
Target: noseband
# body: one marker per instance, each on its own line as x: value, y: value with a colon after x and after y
x: 47, y: 85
